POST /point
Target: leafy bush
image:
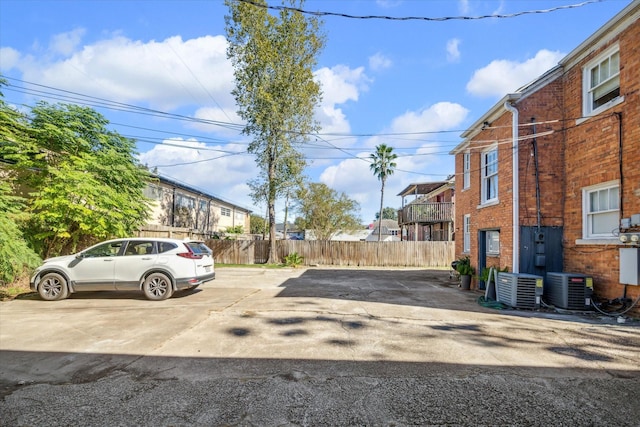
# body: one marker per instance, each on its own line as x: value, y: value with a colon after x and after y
x: 238, y: 229
x: 293, y: 260
x: 16, y: 258
x: 464, y: 268
x: 484, y: 275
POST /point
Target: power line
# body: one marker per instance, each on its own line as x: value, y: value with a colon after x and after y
x: 118, y: 106
x: 69, y: 96
x: 417, y: 18
x: 97, y: 102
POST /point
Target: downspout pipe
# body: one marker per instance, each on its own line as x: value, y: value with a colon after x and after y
x: 515, y: 188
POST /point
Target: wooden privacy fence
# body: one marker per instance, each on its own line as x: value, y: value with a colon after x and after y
x: 321, y: 252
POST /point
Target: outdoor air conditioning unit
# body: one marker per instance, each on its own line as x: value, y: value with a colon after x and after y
x: 519, y: 290
x: 571, y: 291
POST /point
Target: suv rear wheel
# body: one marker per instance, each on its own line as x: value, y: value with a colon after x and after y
x: 157, y: 286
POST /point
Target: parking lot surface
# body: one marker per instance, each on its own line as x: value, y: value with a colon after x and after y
x: 316, y: 346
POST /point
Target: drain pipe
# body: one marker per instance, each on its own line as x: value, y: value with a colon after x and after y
x: 515, y: 190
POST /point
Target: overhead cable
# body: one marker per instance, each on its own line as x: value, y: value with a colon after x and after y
x: 419, y: 18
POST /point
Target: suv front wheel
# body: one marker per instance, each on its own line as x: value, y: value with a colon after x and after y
x: 157, y: 286
x: 53, y: 287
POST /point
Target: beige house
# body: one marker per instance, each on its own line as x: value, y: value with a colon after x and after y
x: 179, y: 205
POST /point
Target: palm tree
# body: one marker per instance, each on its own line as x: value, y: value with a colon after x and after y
x: 382, y: 165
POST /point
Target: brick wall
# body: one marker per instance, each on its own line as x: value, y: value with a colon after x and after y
x: 545, y: 108
x: 579, y: 153
x: 592, y: 157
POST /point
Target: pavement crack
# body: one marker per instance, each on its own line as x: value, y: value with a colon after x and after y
x: 239, y: 300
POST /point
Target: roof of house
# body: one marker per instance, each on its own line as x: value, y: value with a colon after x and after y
x: 624, y: 18
x: 421, y: 188
x: 604, y: 34
x: 194, y: 190
x: 387, y: 224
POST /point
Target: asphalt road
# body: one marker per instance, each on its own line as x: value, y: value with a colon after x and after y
x: 313, y: 347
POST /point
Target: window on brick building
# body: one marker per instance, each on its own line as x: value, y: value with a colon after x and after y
x: 601, y: 205
x: 490, y: 175
x: 493, y: 242
x: 466, y: 245
x: 601, y: 82
x: 466, y: 162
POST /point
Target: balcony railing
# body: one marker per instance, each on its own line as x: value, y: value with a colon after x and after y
x: 426, y: 213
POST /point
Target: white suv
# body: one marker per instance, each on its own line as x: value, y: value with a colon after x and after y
x: 156, y: 266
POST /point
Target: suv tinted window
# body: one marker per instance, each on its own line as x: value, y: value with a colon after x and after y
x: 166, y: 246
x: 106, y: 249
x: 139, y: 248
x: 198, y: 248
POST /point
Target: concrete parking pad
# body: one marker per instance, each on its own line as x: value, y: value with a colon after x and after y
x: 316, y: 346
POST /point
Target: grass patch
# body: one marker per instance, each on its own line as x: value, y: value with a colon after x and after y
x: 270, y: 266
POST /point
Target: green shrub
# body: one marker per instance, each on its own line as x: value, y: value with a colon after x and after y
x: 16, y: 257
x: 293, y: 260
x: 464, y: 267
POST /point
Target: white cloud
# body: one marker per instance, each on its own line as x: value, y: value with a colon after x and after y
x: 428, y: 162
x: 463, y: 6
x: 379, y: 62
x: 9, y: 58
x: 386, y: 4
x: 164, y: 74
x: 66, y: 43
x: 437, y: 117
x: 339, y: 84
x: 453, y: 51
x: 216, y: 169
x: 502, y: 76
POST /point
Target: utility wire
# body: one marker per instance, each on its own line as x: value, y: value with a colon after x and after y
x: 90, y: 100
x: 418, y: 18
x: 69, y: 96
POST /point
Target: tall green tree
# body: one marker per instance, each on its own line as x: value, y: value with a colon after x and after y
x: 325, y: 211
x: 257, y: 224
x: 382, y: 165
x: 273, y: 59
x: 16, y: 257
x: 388, y: 213
x: 85, y: 180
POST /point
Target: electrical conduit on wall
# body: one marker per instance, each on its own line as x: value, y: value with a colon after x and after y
x: 516, y: 189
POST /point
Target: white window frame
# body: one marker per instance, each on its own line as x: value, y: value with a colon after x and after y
x: 611, y: 208
x: 225, y: 211
x: 466, y: 233
x: 493, y: 242
x: 466, y: 167
x: 489, y: 175
x: 611, y: 77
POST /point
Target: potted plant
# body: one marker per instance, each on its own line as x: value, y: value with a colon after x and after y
x: 466, y: 271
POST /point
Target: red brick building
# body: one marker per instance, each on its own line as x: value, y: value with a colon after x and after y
x: 574, y: 137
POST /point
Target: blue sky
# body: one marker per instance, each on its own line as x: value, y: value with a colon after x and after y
x: 415, y: 85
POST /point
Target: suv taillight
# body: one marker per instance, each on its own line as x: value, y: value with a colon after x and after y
x: 189, y: 254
